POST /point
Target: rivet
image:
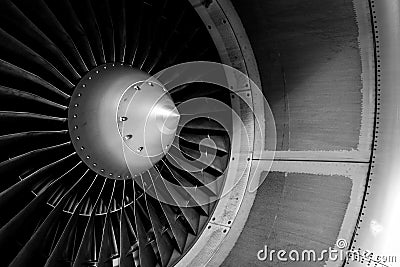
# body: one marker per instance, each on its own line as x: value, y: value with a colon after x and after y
x: 105, y: 67
x: 94, y: 164
x: 119, y: 176
x: 128, y: 136
x: 150, y: 83
x: 111, y: 174
x: 75, y: 116
x: 79, y: 94
x: 102, y: 170
x: 76, y: 105
x: 82, y: 148
x: 78, y: 138
x: 97, y: 71
x: 123, y: 118
x: 140, y: 149
x: 83, y: 85
x: 136, y: 87
x: 88, y: 157
x: 90, y: 78
x: 76, y: 127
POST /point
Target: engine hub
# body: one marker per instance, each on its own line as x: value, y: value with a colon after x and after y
x: 121, y: 120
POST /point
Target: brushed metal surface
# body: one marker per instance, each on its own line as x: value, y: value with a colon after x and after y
x: 112, y: 120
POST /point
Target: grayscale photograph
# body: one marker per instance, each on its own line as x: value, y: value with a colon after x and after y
x: 199, y: 133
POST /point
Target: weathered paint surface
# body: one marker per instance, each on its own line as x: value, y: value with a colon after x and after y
x: 310, y: 67
x: 293, y: 212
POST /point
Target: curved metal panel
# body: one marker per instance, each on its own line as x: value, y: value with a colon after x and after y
x: 376, y: 235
